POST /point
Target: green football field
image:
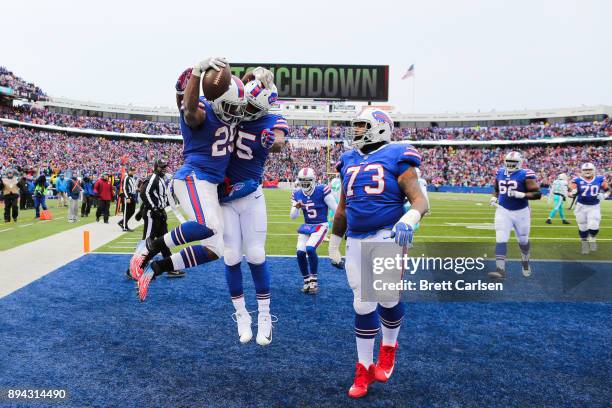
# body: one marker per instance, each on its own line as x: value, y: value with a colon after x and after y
x: 454, y: 218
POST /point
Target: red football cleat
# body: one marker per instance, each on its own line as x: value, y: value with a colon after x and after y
x: 136, y: 266
x: 386, y: 362
x: 143, y: 284
x: 363, y: 378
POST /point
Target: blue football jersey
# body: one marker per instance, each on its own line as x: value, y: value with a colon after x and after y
x: 588, y: 190
x: 249, y: 156
x: 207, y: 149
x: 313, y: 206
x: 513, y: 181
x: 374, y: 200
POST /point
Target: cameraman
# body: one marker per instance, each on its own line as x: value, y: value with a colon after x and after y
x: 154, y: 196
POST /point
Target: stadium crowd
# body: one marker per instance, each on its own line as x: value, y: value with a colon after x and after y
x: 533, y: 131
x: 31, y: 151
x: 20, y: 86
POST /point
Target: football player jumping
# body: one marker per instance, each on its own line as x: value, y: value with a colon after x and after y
x: 377, y: 176
x: 208, y: 130
x: 590, y: 190
x: 514, y: 186
x: 315, y: 200
x: 244, y: 206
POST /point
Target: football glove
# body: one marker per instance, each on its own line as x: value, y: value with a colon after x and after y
x: 265, y: 76
x: 334, y: 251
x: 516, y: 194
x: 181, y: 83
x: 493, y: 201
x: 267, y: 138
x: 402, y: 234
x: 215, y: 63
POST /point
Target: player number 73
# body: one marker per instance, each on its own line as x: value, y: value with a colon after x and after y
x: 378, y: 178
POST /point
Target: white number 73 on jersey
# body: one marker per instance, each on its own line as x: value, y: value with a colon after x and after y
x: 378, y: 178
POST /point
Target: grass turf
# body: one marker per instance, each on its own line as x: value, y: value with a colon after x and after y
x: 81, y: 328
x: 28, y: 229
x: 460, y: 218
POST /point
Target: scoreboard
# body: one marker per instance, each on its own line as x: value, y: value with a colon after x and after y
x: 326, y: 82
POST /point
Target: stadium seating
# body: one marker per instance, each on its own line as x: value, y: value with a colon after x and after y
x: 531, y: 132
x: 31, y: 150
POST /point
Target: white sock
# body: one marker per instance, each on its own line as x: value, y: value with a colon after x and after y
x: 389, y: 335
x: 263, y: 306
x: 239, y: 305
x: 365, y: 351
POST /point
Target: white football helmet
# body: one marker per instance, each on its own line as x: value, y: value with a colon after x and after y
x: 587, y: 170
x: 229, y: 107
x: 562, y: 177
x: 259, y: 99
x: 306, y: 180
x: 370, y: 126
x: 513, y: 161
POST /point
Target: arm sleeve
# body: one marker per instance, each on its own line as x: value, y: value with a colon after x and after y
x: 281, y: 124
x: 331, y: 202
x: 294, y: 212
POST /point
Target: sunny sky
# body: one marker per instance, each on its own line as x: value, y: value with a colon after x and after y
x: 469, y: 55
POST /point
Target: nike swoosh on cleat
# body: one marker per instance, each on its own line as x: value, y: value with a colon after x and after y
x: 258, y: 196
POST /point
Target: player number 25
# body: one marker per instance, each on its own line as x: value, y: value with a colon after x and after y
x: 224, y: 145
x: 505, y: 186
x: 378, y: 178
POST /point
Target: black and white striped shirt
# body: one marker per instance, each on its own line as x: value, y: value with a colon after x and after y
x: 129, y: 185
x: 156, y: 192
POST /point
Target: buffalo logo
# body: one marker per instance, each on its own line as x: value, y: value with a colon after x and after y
x: 381, y: 117
x: 272, y: 98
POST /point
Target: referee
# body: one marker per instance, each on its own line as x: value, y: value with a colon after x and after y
x: 129, y: 195
x: 154, y: 196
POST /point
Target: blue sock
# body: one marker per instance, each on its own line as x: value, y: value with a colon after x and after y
x: 303, y: 263
x: 233, y: 277
x: 189, y: 231
x: 261, y: 279
x: 391, y: 319
x: 313, y: 260
x: 583, y: 234
x: 367, y: 325
x: 501, y: 248
x: 593, y: 233
x: 190, y: 257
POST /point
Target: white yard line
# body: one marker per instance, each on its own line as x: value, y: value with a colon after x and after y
x: 26, y: 225
x: 6, y: 229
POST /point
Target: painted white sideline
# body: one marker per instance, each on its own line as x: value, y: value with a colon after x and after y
x: 25, y: 263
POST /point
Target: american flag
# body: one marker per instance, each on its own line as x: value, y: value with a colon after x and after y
x: 409, y: 73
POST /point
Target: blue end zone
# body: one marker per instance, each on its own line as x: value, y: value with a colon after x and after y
x: 81, y: 328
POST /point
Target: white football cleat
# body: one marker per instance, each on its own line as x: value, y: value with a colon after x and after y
x: 585, y: 247
x: 526, y: 268
x: 264, y: 329
x: 243, y: 321
x: 592, y: 244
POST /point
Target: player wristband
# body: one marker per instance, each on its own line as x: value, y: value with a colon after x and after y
x: 412, y: 218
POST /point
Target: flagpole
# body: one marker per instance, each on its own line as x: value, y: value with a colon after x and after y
x: 413, y: 93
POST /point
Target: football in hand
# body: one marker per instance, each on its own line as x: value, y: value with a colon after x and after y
x: 215, y: 83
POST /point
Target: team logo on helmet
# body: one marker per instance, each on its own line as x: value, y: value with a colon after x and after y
x: 272, y: 98
x: 381, y: 117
